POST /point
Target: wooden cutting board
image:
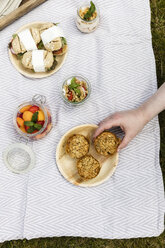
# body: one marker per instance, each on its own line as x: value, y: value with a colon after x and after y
x: 25, y: 7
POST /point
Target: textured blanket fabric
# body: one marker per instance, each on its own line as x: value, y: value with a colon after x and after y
x: 119, y: 62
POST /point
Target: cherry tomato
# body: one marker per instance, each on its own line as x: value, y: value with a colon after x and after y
x: 19, y: 114
x: 34, y: 109
x: 40, y: 122
x: 58, y: 52
x: 70, y: 97
x: 26, y: 128
x: 35, y: 131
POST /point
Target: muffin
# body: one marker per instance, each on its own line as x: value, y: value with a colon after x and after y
x: 106, y: 143
x: 77, y: 146
x: 88, y: 167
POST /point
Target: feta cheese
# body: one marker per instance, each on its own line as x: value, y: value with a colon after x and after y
x: 27, y: 40
x: 51, y: 34
x: 38, y: 60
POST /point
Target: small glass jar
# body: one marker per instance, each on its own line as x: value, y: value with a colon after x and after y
x: 84, y: 25
x: 24, y: 113
x: 67, y: 82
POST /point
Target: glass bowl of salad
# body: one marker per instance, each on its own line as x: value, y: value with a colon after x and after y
x: 76, y: 90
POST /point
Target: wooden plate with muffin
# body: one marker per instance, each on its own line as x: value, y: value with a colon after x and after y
x: 84, y: 162
x: 36, y: 51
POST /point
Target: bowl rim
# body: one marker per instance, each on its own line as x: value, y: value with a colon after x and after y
x: 62, y: 171
x: 87, y: 5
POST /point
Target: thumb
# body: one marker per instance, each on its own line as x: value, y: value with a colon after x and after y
x: 104, y: 125
x: 124, y: 142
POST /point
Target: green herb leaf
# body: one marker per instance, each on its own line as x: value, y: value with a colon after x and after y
x: 40, y: 45
x: 73, y: 84
x: 90, y: 12
x: 35, y: 117
x: 54, y: 65
x: 64, y: 42
x: 37, y: 126
x: 73, y: 81
x: 77, y: 91
x: 56, y: 23
x: 29, y: 123
x: 31, y: 129
x: 14, y: 35
x: 10, y: 45
x: 19, y: 55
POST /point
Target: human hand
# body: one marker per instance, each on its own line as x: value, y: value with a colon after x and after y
x: 131, y: 122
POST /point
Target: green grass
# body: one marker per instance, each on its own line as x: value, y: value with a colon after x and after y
x: 158, y: 33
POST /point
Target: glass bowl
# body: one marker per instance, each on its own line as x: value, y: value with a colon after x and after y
x: 47, y: 120
x: 86, y: 26
x: 68, y: 82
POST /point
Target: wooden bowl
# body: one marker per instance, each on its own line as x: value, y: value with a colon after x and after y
x: 67, y: 165
x: 27, y: 72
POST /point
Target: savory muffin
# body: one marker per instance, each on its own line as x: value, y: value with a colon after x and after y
x: 77, y: 146
x: 88, y: 167
x: 106, y: 143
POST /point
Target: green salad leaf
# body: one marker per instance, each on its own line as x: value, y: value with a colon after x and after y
x: 40, y: 45
x: 19, y: 55
x: 14, y: 35
x: 10, y: 45
x: 90, y: 12
x: 29, y: 123
x: 54, y: 64
x: 33, y: 126
x: 64, y: 42
x: 74, y: 86
x: 35, y: 117
x: 77, y: 91
x: 31, y: 129
x: 37, y: 126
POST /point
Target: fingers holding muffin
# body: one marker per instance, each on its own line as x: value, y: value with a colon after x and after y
x: 106, y: 143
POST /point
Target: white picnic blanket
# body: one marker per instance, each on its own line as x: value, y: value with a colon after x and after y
x: 119, y: 62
